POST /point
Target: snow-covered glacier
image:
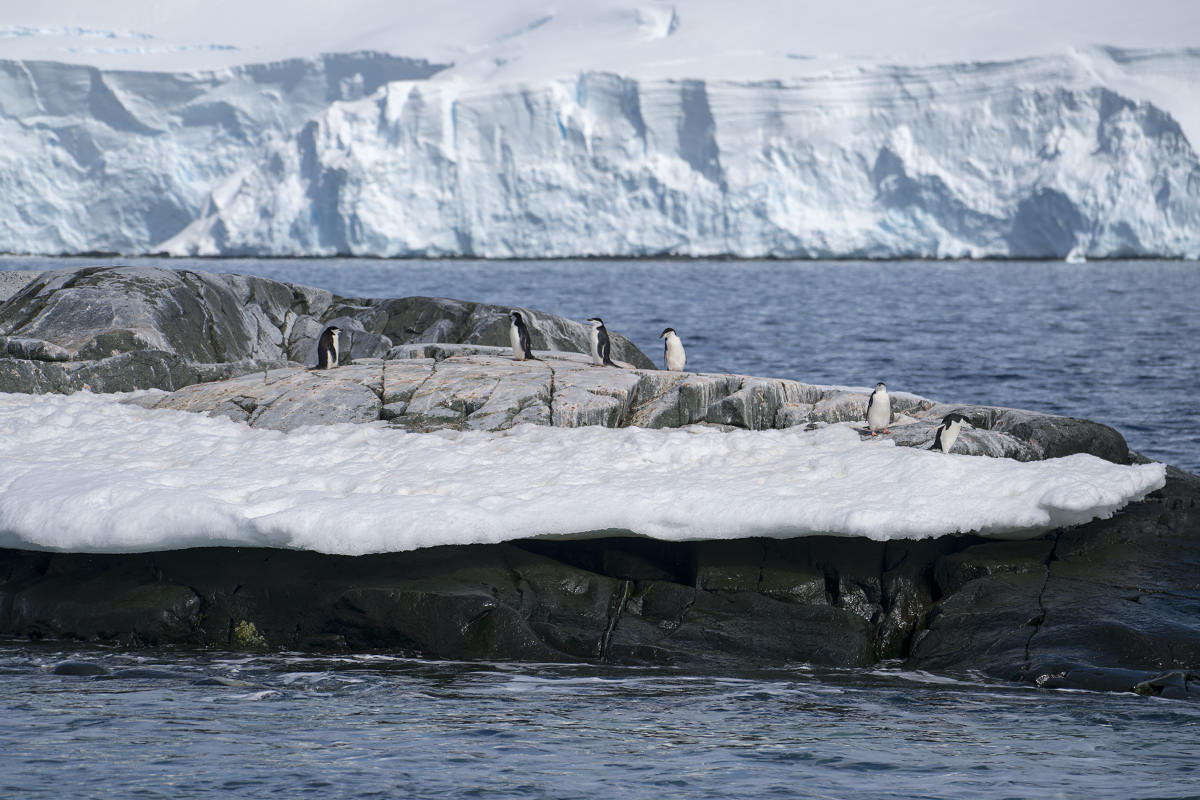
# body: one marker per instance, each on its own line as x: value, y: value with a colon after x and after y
x: 1085, y: 151
x: 119, y: 160
x: 1022, y: 159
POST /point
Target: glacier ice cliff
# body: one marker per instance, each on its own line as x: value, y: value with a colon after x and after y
x: 1078, y: 154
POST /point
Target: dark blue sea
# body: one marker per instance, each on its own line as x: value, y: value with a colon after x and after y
x: 1117, y: 342
x: 184, y: 725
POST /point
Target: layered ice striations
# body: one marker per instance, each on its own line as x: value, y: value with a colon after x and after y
x: 118, y: 161
x: 1049, y: 157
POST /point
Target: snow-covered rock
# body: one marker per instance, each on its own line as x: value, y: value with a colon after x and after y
x: 87, y: 472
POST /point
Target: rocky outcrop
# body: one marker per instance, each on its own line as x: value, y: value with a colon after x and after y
x: 472, y: 387
x: 1112, y: 605
x: 121, y: 328
x: 238, y: 346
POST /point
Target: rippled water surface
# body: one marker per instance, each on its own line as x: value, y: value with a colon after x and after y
x: 1112, y: 341
x: 1115, y: 342
x: 201, y: 724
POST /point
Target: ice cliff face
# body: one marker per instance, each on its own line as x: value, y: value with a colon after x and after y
x: 378, y: 156
x: 118, y: 161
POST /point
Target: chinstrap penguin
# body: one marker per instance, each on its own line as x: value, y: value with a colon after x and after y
x: 601, y: 346
x: 518, y: 334
x: 329, y: 348
x: 879, y: 410
x: 673, y: 350
x: 947, y: 432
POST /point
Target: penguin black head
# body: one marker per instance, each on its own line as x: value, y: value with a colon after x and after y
x: 596, y: 322
x: 663, y: 335
x: 333, y: 330
x: 956, y: 417
x: 516, y: 316
x: 881, y: 386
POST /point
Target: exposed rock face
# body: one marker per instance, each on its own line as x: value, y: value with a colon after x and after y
x: 171, y: 328
x: 1112, y: 605
x: 472, y: 387
x: 13, y: 281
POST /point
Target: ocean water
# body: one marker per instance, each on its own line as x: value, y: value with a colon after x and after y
x: 1112, y: 341
x: 182, y: 725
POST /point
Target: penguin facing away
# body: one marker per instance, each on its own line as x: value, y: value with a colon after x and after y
x: 601, y: 346
x: 879, y: 409
x: 947, y: 432
x: 328, y: 348
x: 673, y: 353
x: 518, y: 335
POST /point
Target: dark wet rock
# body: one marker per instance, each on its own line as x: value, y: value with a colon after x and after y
x: 1115, y: 594
x: 1177, y: 685
x: 89, y: 602
x: 1112, y: 605
x: 1104, y: 679
x: 955, y: 570
x: 83, y: 669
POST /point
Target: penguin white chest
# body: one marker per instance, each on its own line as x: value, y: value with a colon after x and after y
x: 949, y: 435
x: 675, y: 356
x: 595, y: 334
x: 514, y: 336
x: 879, y: 415
x: 335, y: 346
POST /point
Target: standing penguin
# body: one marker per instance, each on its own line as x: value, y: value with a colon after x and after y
x: 879, y: 409
x: 518, y: 334
x: 328, y: 348
x: 948, y: 431
x: 673, y: 350
x: 601, y: 346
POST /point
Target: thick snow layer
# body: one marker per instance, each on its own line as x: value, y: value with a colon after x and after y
x: 768, y: 128
x: 85, y: 473
x: 523, y: 39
